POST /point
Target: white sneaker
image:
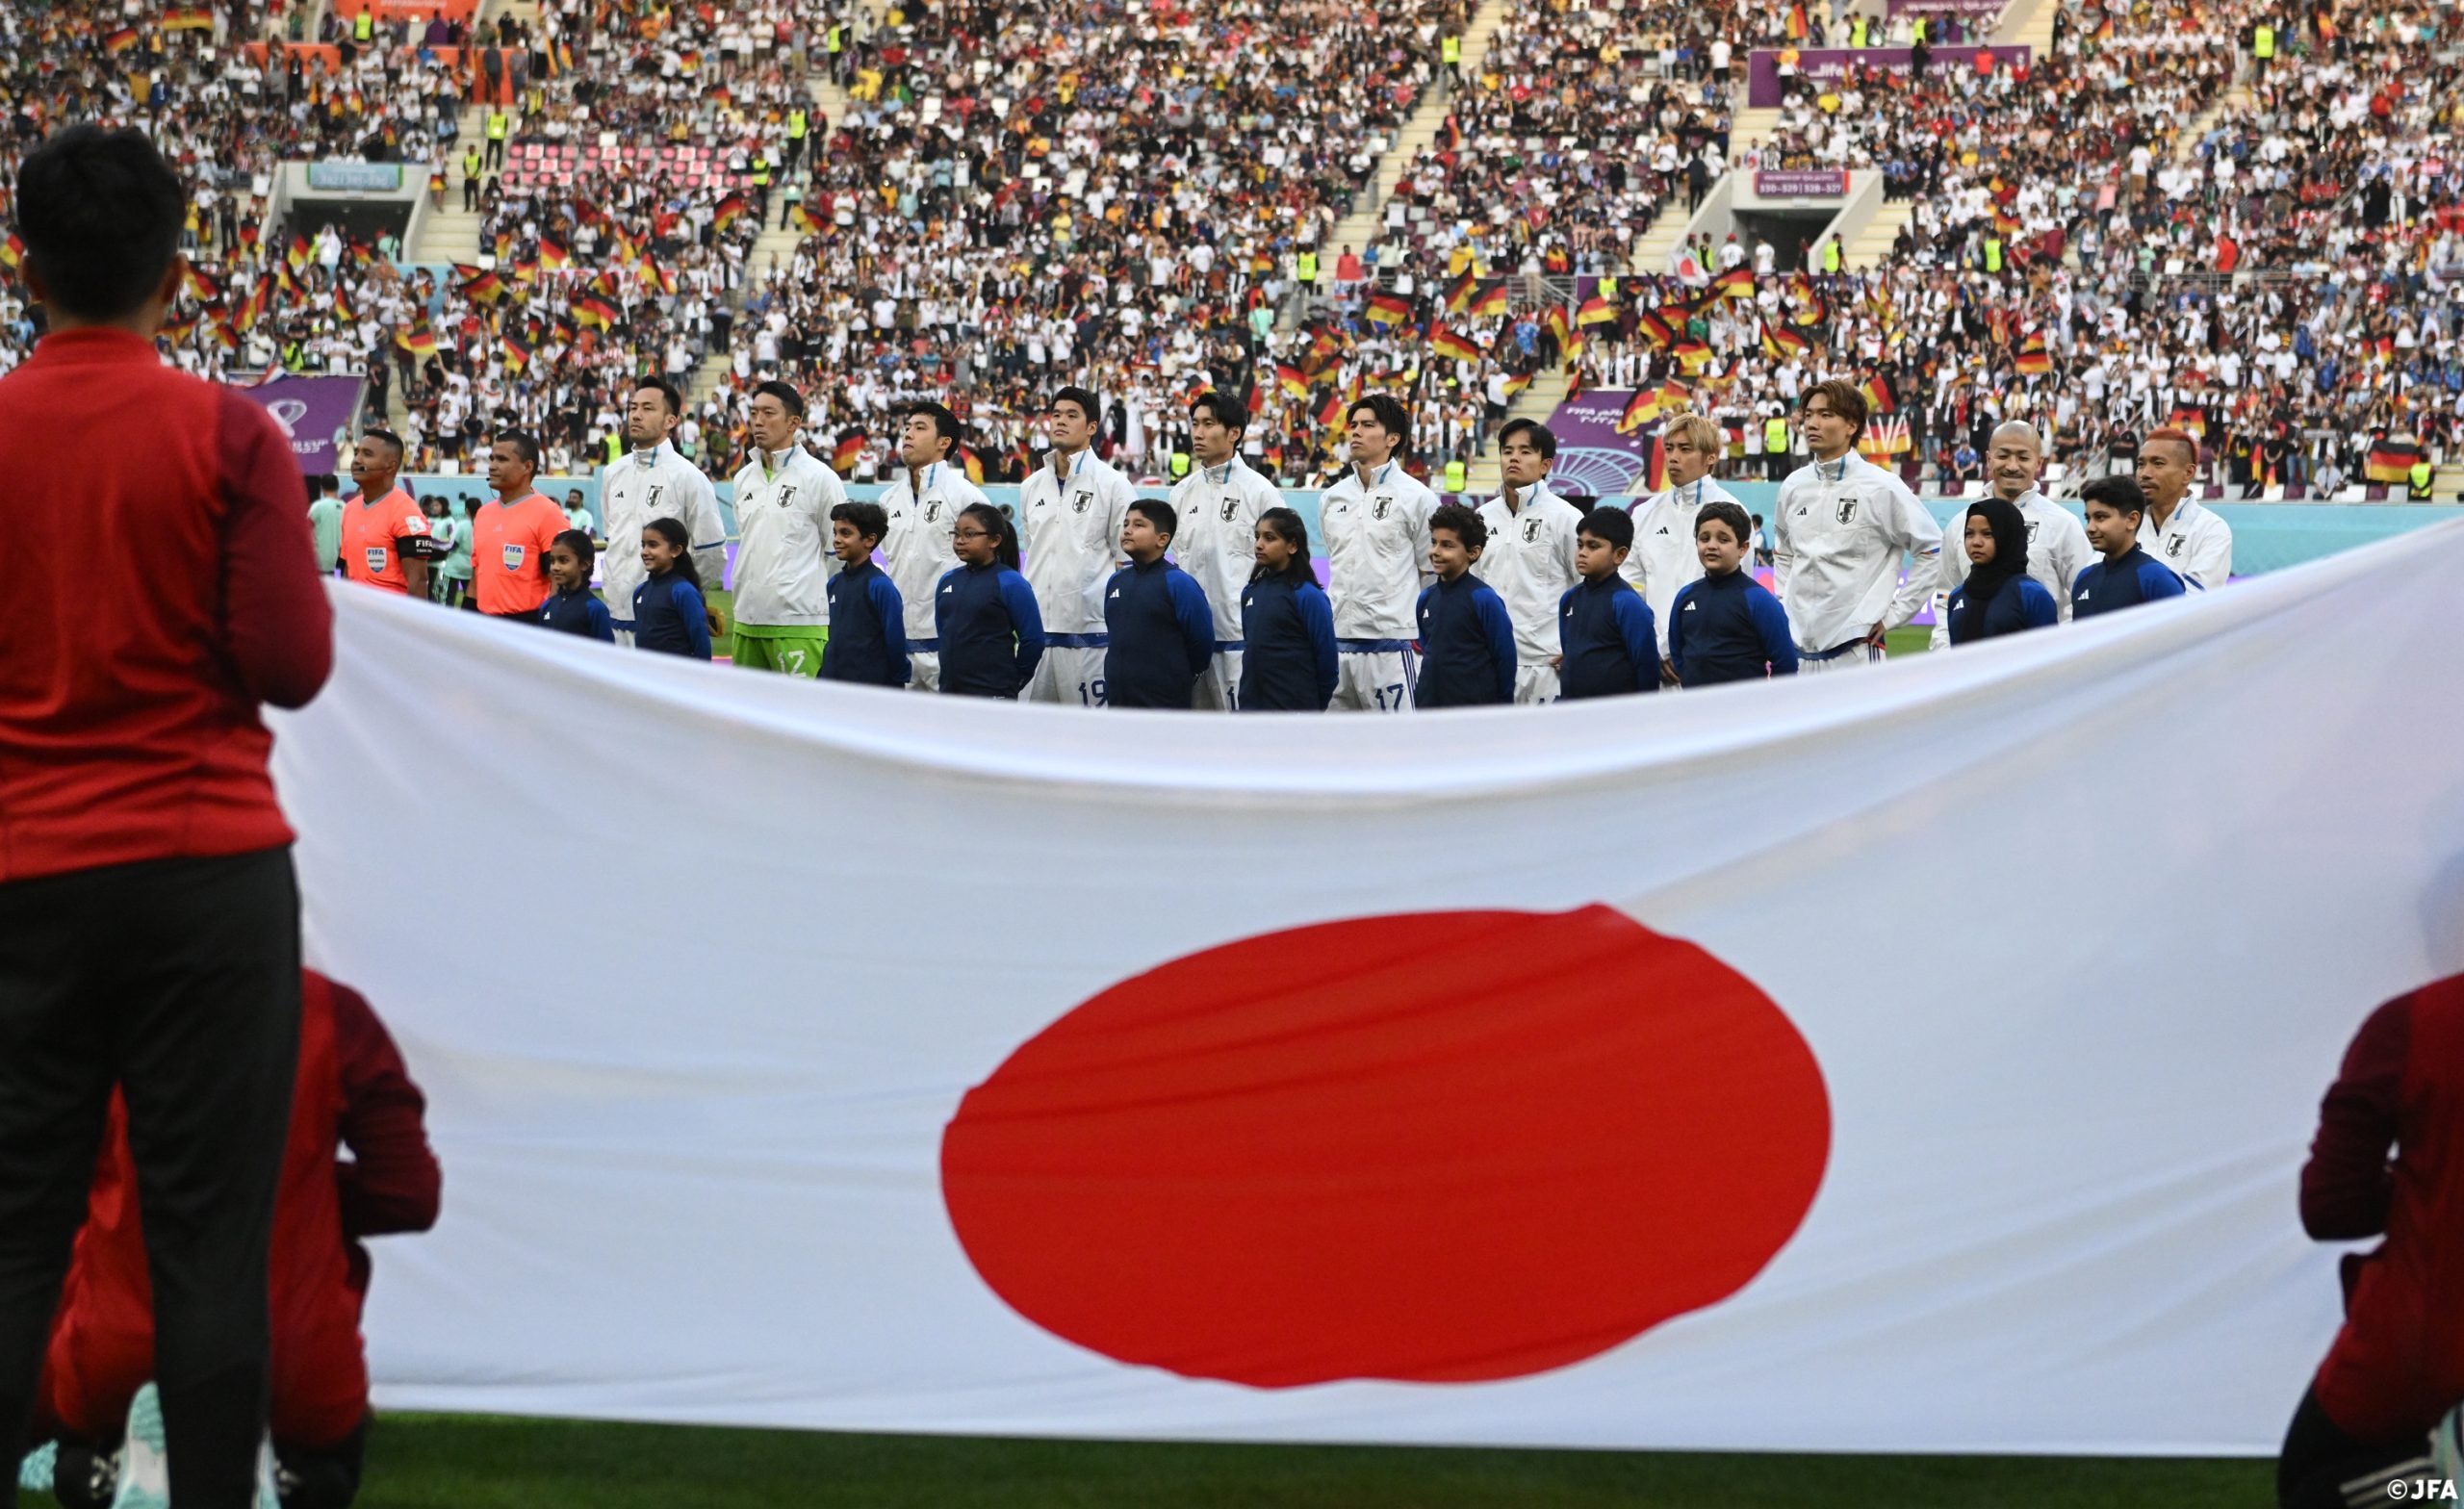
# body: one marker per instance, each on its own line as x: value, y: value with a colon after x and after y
x: 145, y: 1465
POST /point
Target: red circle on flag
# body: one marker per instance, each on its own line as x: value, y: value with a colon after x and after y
x: 1445, y: 1147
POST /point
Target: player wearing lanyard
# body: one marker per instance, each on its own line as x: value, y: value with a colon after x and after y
x: 1843, y: 527
x: 1219, y: 506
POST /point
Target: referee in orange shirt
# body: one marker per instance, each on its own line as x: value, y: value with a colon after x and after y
x: 512, y: 532
x: 386, y: 542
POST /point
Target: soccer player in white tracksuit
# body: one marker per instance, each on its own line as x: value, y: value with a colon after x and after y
x: 1070, y: 514
x: 2057, y: 548
x: 2188, y: 538
x: 1664, y: 560
x: 922, y: 503
x: 655, y: 482
x: 783, y: 561
x: 1529, y: 561
x: 1218, y: 504
x: 1376, y: 521
x: 1838, y: 536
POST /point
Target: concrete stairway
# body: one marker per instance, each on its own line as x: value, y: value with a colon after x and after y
x: 2238, y: 97
x: 1750, y: 127
x: 1871, y: 246
x: 1363, y: 228
x: 2028, y: 23
x: 1667, y: 231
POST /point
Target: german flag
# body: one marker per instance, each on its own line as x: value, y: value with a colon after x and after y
x: 595, y: 313
x: 120, y: 42
x: 553, y: 254
x: 2033, y: 361
x: 1640, y: 409
x: 1554, y: 323
x: 2191, y: 418
x: 843, y: 459
x: 188, y: 19
x: 342, y: 306
x: 1693, y: 356
x: 229, y: 339
x: 484, y: 288
x: 1655, y: 329
x: 2005, y: 223
x: 1330, y: 413
x: 1257, y: 400
x: 1674, y: 397
x: 12, y: 251
x: 1386, y: 309
x: 1779, y: 343
x: 2391, y: 460
x: 1458, y: 298
x: 504, y: 245
x: 203, y: 286
x: 729, y: 209
x: 971, y: 463
x: 1489, y: 303
x: 419, y: 340
x: 517, y: 351
x: 525, y: 271
x: 660, y: 278
x: 1734, y: 283
x: 253, y: 308
x: 1879, y: 397
x: 1445, y: 343
x: 1555, y: 259
x: 1812, y: 310
x: 802, y: 220
x: 283, y: 280
x: 1292, y: 380
x: 1596, y: 311
x: 297, y: 253
x: 1515, y: 385
x: 603, y: 285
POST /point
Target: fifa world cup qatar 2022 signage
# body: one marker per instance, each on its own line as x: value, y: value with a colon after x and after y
x: 314, y: 413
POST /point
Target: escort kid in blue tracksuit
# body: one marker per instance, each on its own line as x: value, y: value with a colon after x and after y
x: 2128, y: 576
x: 868, y: 617
x: 1158, y: 630
x: 985, y: 613
x: 1607, y: 645
x: 1467, y: 639
x: 1728, y: 626
x: 1288, y: 624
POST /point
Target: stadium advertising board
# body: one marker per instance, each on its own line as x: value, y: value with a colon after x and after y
x: 315, y: 413
x: 1647, y: 1073
x: 355, y: 177
x: 1592, y: 455
x: 1976, y: 8
x: 1824, y: 64
x: 1801, y: 182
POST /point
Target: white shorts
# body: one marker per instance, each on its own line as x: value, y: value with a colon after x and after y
x: 1534, y: 684
x: 1847, y: 660
x: 1374, y: 680
x: 924, y: 670
x: 1072, y: 674
x: 1218, y: 690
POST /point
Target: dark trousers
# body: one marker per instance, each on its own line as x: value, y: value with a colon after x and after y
x: 2321, y: 1467
x: 178, y: 981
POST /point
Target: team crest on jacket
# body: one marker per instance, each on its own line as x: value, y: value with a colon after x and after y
x: 1530, y: 530
x: 1078, y: 503
x: 1378, y: 509
x: 1231, y: 506
x: 2173, y: 547
x: 652, y: 505
x: 931, y: 512
x: 784, y: 494
x: 2032, y: 531
x: 1847, y: 512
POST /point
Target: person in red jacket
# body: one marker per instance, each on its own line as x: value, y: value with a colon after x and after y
x: 157, y: 587
x: 353, y: 1093
x: 2397, y: 1364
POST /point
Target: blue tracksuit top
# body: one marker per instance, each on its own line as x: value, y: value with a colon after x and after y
x: 1729, y: 629
x: 991, y: 633
x: 867, y: 629
x: 1161, y: 635
x: 1290, y: 629
x: 1606, y: 639
x: 668, y: 617
x: 2135, y: 578
x: 1467, y: 646
x: 2022, y: 604
x: 578, y: 613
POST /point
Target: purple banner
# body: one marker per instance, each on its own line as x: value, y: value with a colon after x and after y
x: 1801, y: 182
x: 315, y: 413
x: 1592, y: 457
x: 1763, y: 65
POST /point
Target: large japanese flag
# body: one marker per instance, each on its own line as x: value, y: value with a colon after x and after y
x: 1917, y: 1058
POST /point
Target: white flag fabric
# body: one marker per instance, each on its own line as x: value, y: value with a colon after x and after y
x: 1917, y: 1060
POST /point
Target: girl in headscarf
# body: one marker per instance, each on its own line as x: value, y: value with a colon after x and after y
x: 1998, y: 596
